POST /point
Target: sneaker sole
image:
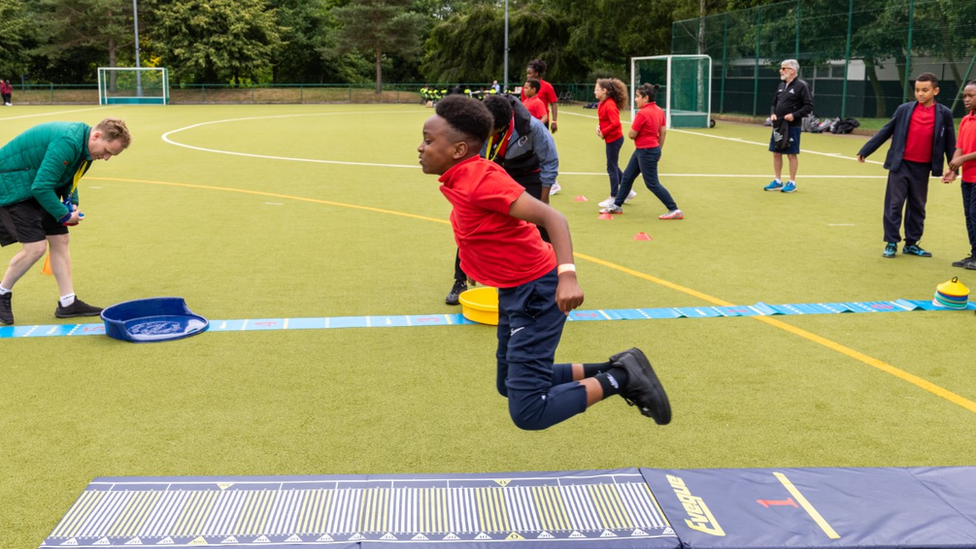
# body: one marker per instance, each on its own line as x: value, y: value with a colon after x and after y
x: 73, y: 315
x: 775, y: 189
x: 661, y: 414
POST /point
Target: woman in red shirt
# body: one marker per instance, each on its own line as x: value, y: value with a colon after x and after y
x: 612, y: 95
x: 648, y: 131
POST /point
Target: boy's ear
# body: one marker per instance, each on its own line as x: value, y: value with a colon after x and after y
x: 460, y: 150
x: 935, y: 90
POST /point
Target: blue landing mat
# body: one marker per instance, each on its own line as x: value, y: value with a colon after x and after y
x: 819, y: 508
x: 837, y: 508
x: 400, y: 321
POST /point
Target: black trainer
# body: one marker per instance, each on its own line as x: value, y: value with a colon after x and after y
x: 78, y: 308
x: 6, y: 309
x: 643, y: 388
x: 962, y: 262
x: 459, y: 286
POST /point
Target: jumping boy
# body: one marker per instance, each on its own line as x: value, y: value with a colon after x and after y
x: 965, y: 158
x: 921, y: 134
x: 493, y: 219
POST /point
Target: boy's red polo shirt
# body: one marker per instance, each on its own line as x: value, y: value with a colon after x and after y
x: 536, y: 107
x: 967, y: 144
x: 495, y: 248
x: 921, y: 130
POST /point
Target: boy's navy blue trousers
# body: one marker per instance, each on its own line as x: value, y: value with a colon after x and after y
x: 540, y: 394
x: 909, y: 183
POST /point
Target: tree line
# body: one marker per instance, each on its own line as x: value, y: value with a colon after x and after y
x: 240, y: 42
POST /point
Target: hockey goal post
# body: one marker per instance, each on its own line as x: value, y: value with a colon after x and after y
x: 686, y: 83
x: 133, y: 86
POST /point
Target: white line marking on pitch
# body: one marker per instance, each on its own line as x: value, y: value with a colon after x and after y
x: 167, y: 139
x: 36, y: 115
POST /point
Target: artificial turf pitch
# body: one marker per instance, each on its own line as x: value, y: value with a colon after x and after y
x: 320, y: 211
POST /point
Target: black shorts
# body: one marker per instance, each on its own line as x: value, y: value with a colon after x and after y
x: 27, y: 222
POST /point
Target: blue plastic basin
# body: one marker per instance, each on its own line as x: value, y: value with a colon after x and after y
x: 152, y: 319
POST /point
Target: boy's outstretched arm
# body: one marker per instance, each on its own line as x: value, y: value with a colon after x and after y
x: 568, y: 293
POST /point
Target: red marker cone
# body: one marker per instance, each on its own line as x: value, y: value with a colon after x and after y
x: 46, y: 269
x: 580, y: 198
x: 642, y: 236
x: 605, y: 216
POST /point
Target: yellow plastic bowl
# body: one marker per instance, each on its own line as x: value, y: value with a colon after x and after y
x: 480, y: 305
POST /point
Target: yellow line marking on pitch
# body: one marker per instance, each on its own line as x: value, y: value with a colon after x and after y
x: 807, y: 507
x: 830, y: 344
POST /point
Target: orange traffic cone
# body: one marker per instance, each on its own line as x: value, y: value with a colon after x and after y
x: 642, y: 236
x: 605, y: 216
x: 580, y: 198
x: 46, y: 269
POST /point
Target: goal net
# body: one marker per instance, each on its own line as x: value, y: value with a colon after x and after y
x: 134, y: 86
x: 686, y: 83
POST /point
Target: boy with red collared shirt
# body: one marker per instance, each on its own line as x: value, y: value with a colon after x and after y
x: 494, y: 226
x: 965, y: 158
x: 532, y: 102
x: 921, y: 135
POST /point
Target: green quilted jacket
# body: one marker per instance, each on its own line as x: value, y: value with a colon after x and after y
x: 41, y: 163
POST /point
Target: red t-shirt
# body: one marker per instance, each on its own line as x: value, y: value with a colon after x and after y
x: 536, y: 107
x: 647, y: 123
x: 967, y: 144
x: 921, y: 130
x: 495, y: 248
x: 609, y: 116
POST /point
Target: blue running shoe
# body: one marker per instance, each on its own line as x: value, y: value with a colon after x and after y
x: 890, y: 250
x: 914, y: 249
x: 773, y: 186
x: 790, y: 187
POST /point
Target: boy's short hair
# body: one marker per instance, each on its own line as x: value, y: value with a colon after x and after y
x: 501, y: 111
x: 533, y: 83
x: 467, y: 116
x: 114, y: 129
x: 970, y: 83
x: 928, y: 77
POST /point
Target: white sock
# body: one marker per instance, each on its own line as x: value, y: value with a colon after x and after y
x: 67, y: 300
x: 778, y: 180
x: 4, y: 291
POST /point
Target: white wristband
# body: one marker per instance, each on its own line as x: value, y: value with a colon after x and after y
x: 565, y: 268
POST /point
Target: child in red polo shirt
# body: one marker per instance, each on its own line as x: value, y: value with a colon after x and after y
x: 532, y: 102
x: 648, y: 131
x: 494, y: 222
x: 612, y: 96
x: 965, y: 158
x: 921, y: 135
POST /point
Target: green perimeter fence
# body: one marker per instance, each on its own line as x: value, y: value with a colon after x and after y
x: 860, y: 57
x: 215, y: 94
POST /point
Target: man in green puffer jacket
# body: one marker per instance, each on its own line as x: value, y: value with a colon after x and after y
x: 39, y: 174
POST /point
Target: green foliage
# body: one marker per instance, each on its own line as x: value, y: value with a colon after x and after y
x: 376, y: 27
x: 17, y: 34
x: 75, y: 36
x: 470, y: 47
x: 213, y: 41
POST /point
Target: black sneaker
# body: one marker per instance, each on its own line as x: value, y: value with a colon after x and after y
x: 962, y: 262
x: 970, y: 264
x: 459, y: 286
x: 643, y: 388
x: 6, y: 310
x: 915, y: 249
x: 78, y: 308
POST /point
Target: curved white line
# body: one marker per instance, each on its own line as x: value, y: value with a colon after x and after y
x: 167, y: 139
